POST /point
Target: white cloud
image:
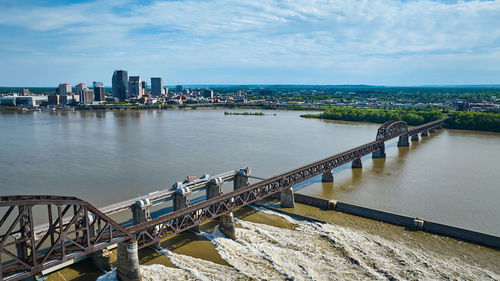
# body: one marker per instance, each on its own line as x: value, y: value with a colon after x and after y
x: 328, y: 35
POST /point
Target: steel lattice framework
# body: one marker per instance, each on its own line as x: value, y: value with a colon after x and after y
x: 75, y: 228
x: 78, y: 228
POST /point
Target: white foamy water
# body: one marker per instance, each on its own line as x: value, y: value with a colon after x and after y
x: 313, y: 251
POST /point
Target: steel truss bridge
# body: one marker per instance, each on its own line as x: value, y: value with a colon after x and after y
x: 76, y: 228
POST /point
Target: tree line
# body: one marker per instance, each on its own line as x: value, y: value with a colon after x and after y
x: 480, y: 121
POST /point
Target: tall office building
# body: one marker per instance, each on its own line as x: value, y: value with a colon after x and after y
x: 144, y: 87
x: 135, y: 86
x: 157, y: 86
x: 99, y: 92
x: 64, y: 89
x: 208, y: 93
x: 120, y: 84
x: 86, y: 95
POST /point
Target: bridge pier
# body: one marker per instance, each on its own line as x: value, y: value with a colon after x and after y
x: 141, y: 212
x: 432, y: 130
x: 226, y: 225
x: 226, y: 221
x: 327, y: 176
x: 241, y: 178
x: 414, y: 137
x: 128, y: 268
x: 182, y: 199
x: 403, y: 141
x: 287, y: 198
x: 379, y: 153
x: 357, y: 163
x: 424, y: 134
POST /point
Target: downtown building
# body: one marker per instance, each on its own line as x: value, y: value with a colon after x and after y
x: 99, y: 92
x: 157, y: 86
x: 135, y: 86
x: 120, y: 85
x: 64, y: 89
x: 86, y: 95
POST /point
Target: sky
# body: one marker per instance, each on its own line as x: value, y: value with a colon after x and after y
x: 375, y: 42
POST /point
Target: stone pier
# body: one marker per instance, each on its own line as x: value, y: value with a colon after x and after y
x: 414, y: 137
x: 287, y: 198
x: 128, y: 268
x: 327, y: 176
x: 226, y: 225
x: 379, y: 153
x: 357, y: 163
x: 403, y: 141
x: 241, y: 178
x: 424, y: 134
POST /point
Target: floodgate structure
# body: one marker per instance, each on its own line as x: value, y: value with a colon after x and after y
x: 39, y: 234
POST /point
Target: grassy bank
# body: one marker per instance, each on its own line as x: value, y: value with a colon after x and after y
x: 479, y: 121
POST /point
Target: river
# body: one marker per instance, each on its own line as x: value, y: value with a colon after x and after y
x: 103, y: 157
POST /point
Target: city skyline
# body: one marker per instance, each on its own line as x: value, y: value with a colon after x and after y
x: 400, y: 43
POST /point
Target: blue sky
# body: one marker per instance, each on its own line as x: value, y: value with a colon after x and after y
x: 378, y: 42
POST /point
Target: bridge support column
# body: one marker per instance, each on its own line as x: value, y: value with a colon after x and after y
x: 128, y: 268
x: 432, y: 130
x: 287, y: 198
x: 414, y: 137
x: 379, y: 153
x: 357, y: 163
x: 214, y: 188
x: 226, y: 221
x: 141, y: 212
x: 403, y: 141
x: 226, y: 225
x: 327, y: 177
x: 182, y: 199
x: 241, y: 178
x: 424, y: 134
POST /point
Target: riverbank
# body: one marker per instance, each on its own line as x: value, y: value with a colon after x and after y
x: 478, y: 121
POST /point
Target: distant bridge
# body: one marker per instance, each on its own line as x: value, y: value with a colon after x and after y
x: 76, y: 228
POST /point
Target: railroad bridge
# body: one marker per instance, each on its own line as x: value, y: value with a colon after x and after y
x: 74, y: 229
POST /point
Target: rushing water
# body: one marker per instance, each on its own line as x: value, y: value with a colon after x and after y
x: 316, y: 251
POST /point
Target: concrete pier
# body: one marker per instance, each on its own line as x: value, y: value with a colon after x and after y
x: 403, y: 141
x: 214, y: 188
x: 241, y: 178
x: 432, y: 130
x: 357, y: 163
x: 182, y: 199
x: 327, y: 177
x: 424, y: 134
x: 226, y: 225
x: 379, y: 153
x: 141, y: 212
x: 287, y: 198
x: 414, y: 137
x: 128, y: 268
x: 226, y: 222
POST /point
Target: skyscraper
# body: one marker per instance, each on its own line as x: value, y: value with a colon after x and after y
x: 144, y: 87
x: 64, y: 89
x: 120, y: 84
x: 157, y: 86
x: 99, y: 93
x: 135, y: 86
